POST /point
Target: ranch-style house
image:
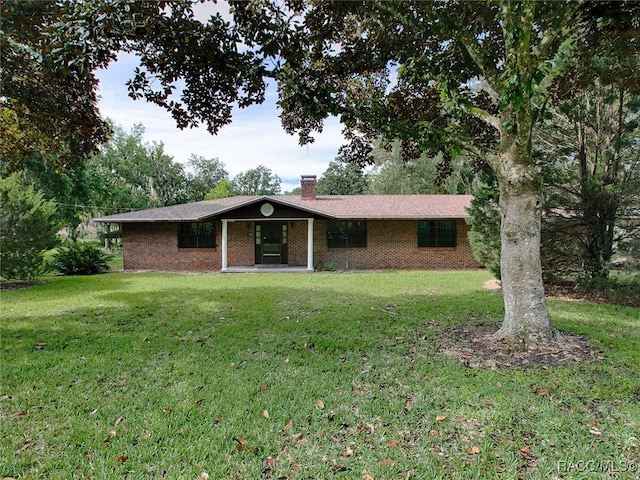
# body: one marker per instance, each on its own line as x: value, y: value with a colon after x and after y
x: 305, y: 232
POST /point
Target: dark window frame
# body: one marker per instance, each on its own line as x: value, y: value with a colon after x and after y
x: 437, y: 233
x: 197, y: 235
x: 347, y: 234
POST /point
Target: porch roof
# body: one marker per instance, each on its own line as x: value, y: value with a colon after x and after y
x: 342, y: 207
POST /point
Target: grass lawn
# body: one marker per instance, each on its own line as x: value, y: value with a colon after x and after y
x: 301, y: 376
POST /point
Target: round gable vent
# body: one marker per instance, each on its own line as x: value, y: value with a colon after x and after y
x: 266, y: 209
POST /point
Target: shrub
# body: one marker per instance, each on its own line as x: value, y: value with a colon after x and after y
x: 28, y: 228
x: 81, y: 258
x: 329, y: 267
x: 484, y: 236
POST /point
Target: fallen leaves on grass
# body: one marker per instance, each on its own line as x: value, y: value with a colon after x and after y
x: 288, y: 425
x: 339, y: 468
x: 241, y: 444
x: 543, y: 392
x: 408, y: 404
x: 24, y: 447
x: 110, y: 435
x: 269, y: 465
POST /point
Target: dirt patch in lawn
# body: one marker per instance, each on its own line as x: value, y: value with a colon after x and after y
x: 9, y: 286
x: 476, y: 347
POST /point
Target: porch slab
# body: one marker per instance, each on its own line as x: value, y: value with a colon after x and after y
x: 265, y: 268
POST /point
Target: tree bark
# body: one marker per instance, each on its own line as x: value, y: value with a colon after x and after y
x: 526, y: 315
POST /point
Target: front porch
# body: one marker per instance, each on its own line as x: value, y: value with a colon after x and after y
x: 268, y: 240
x: 267, y: 269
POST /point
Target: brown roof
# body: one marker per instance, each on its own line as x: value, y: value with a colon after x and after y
x: 380, y: 207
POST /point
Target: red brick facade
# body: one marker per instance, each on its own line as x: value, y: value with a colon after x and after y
x: 154, y: 246
x: 391, y: 244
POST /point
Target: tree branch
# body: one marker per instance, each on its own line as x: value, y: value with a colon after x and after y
x: 552, y: 34
x: 488, y: 77
x: 482, y: 114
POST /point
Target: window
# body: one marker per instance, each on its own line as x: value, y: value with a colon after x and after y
x: 432, y: 233
x: 197, y: 235
x: 346, y: 234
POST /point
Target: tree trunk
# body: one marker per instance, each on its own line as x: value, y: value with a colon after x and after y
x: 526, y: 316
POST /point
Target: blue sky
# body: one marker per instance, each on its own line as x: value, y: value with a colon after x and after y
x: 254, y: 138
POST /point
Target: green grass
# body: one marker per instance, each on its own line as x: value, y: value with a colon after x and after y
x: 301, y: 377
x: 116, y: 262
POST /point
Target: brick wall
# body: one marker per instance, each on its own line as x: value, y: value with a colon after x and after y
x: 240, y: 244
x: 390, y: 245
x: 394, y: 245
x: 154, y: 246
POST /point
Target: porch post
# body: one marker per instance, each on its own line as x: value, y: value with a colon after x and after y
x: 310, y: 244
x: 224, y: 245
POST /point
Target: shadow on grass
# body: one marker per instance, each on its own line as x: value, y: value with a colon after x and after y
x: 126, y: 376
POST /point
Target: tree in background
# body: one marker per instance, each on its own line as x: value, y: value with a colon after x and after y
x: 484, y: 218
x: 294, y: 191
x: 257, y: 181
x: 223, y: 189
x: 68, y: 188
x: 342, y: 179
x: 203, y: 175
x: 129, y: 174
x: 592, y: 201
x: 28, y: 228
x: 393, y: 174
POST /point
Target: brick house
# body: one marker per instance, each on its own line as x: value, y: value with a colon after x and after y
x: 305, y: 232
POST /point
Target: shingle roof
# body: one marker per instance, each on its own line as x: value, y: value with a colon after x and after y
x: 382, y: 207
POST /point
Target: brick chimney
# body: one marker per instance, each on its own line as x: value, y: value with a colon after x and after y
x: 308, y: 187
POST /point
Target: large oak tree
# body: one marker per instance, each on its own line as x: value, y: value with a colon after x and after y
x: 456, y: 77
x: 472, y: 78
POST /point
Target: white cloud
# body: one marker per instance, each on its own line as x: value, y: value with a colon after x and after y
x: 254, y: 138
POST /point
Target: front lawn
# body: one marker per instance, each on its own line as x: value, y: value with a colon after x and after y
x: 302, y: 376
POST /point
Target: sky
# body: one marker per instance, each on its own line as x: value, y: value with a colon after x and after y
x: 255, y: 137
